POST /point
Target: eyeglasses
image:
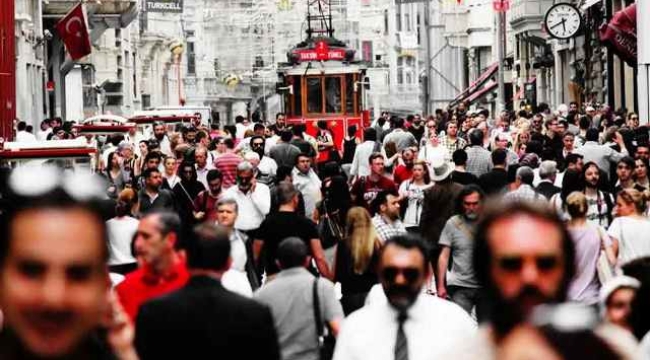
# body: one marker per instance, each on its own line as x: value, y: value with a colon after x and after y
x: 514, y: 264
x: 410, y: 274
x: 258, y: 144
x: 38, y: 181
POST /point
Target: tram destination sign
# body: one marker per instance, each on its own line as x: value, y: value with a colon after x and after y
x: 168, y: 6
x: 321, y: 51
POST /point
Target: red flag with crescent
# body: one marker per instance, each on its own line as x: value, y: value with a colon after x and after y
x: 74, y: 32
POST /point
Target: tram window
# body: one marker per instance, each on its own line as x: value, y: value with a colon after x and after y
x: 333, y: 95
x: 349, y: 94
x: 314, y: 95
x: 297, y: 96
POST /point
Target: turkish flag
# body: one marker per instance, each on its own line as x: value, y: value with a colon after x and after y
x: 74, y: 32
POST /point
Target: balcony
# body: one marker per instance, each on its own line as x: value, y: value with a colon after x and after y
x: 528, y: 15
x: 96, y: 8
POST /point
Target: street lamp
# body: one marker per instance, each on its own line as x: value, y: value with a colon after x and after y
x: 177, y: 49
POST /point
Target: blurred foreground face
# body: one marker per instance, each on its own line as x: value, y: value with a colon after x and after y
x: 402, y: 274
x: 54, y: 285
x: 527, y: 264
x: 619, y: 307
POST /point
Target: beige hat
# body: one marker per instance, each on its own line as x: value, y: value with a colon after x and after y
x: 441, y: 169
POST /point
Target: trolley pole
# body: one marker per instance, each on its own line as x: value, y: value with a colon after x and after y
x: 643, y: 60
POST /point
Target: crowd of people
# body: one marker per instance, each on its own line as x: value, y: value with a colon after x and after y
x: 467, y: 235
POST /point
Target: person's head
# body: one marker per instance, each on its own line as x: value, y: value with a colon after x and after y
x: 285, y: 136
x: 537, y: 122
x: 201, y: 156
x: 421, y: 171
x: 152, y: 178
x: 643, y: 151
x: 386, y: 203
x: 568, y: 140
x: 360, y: 237
x: 292, y: 252
x: 257, y: 145
x: 157, y: 239
x: 152, y: 160
x: 592, y: 135
x: 625, y: 168
x: 501, y: 141
x: 432, y: 126
x: 525, y: 175
x: 640, y: 169
x: 397, y: 122
x: 170, y: 165
x: 202, y: 138
x: 143, y: 145
x: 376, y: 161
x: 352, y: 130
x: 552, y: 125
x: 227, y: 211
x: 22, y: 126
x: 259, y: 129
x: 408, y: 156
x: 245, y: 176
x: 54, y: 283
x: 633, y: 121
x: 630, y: 202
x: 113, y: 161
x: 214, y: 178
x: 574, y: 161
x: 433, y: 138
x: 187, y: 172
x: 287, y: 195
x: 584, y: 123
x: 209, y: 248
x: 452, y: 129
x: 369, y: 134
x: 576, y: 205
x: 523, y: 257
x: 476, y: 137
x: 499, y: 157
x: 322, y: 124
x: 159, y: 131
x: 548, y: 170
x: 403, y: 269
x: 573, y: 106
x: 459, y: 157
x: 470, y: 201
x: 616, y: 299
x: 591, y: 175
x: 303, y: 163
x: 283, y: 174
x: 280, y: 119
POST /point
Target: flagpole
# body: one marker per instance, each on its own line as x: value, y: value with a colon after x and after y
x: 501, y: 49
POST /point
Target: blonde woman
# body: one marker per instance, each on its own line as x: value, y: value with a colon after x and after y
x: 356, y: 259
x: 588, y: 240
x: 630, y: 228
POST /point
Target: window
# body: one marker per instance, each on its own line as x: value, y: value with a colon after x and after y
x: 400, y: 75
x: 407, y: 20
x: 385, y: 22
x: 398, y: 17
x: 191, y: 59
x: 366, y: 51
x: 314, y: 95
x: 297, y: 95
x: 417, y: 29
x: 87, y: 81
x: 349, y: 93
x: 333, y: 95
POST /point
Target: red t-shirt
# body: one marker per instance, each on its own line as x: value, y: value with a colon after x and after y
x: 141, y: 286
x: 401, y: 174
x: 366, y: 190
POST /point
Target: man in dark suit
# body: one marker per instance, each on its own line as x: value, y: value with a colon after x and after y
x: 548, y: 173
x: 496, y: 180
x: 202, y: 319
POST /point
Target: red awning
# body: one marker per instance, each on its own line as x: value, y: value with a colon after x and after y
x: 620, y: 34
x: 488, y: 88
x: 476, y: 85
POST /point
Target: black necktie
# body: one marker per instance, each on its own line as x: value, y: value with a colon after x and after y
x: 401, y: 345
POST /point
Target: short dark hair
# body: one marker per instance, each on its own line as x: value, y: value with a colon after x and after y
x: 255, y: 137
x: 592, y: 135
x: 258, y: 126
x: 214, y: 174
x: 459, y: 157
x: 374, y: 156
x: 381, y: 199
x: 498, y: 210
x: 369, y: 134
x: 208, y: 247
x: 153, y: 155
x: 475, y: 137
x: 408, y: 241
x: 301, y: 155
x: 285, y: 135
x: 627, y: 160
x: 21, y: 126
x: 230, y: 144
x: 292, y: 252
x: 499, y: 156
x: 239, y: 119
x: 147, y: 172
x: 465, y: 192
x: 573, y: 158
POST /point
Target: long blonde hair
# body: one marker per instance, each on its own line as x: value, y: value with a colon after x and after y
x: 360, y: 238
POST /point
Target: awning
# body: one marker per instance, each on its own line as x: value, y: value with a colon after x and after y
x: 619, y: 35
x: 476, y: 85
x: 589, y: 3
x: 487, y: 89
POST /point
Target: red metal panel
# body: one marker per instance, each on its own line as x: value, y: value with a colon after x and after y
x: 7, y: 70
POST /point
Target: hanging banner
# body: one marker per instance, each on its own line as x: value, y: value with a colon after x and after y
x: 168, y: 6
x: 620, y: 34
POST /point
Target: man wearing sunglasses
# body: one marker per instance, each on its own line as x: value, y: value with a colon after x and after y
x: 523, y: 258
x: 409, y: 324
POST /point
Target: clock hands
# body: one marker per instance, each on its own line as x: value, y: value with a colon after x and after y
x: 563, y: 23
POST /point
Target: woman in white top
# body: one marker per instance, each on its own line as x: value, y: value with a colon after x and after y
x: 170, y: 177
x: 412, y: 190
x: 433, y: 150
x: 121, y: 230
x: 630, y: 228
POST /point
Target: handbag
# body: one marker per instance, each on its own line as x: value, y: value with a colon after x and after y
x: 329, y: 229
x: 326, y: 341
x: 604, y: 269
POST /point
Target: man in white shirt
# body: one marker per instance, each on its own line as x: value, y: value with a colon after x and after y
x: 202, y: 165
x: 410, y: 324
x: 22, y: 135
x: 307, y: 182
x: 253, y: 198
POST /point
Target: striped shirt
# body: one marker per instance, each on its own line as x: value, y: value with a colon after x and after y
x: 227, y: 164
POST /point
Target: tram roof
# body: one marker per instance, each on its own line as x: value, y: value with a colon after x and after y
x: 322, y: 67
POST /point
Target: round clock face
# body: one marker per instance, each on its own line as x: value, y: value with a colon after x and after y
x: 563, y: 21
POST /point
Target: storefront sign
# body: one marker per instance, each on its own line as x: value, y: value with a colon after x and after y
x: 169, y: 6
x: 620, y: 34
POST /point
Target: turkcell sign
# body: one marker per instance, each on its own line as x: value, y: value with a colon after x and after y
x: 171, y: 6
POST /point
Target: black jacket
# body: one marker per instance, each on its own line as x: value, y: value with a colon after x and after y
x: 494, y: 181
x: 203, y: 320
x: 547, y: 189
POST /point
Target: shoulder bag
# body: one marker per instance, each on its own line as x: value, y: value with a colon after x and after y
x: 329, y: 229
x: 604, y: 269
x: 326, y: 341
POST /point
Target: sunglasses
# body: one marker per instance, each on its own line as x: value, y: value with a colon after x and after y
x: 258, y: 144
x: 514, y: 264
x: 411, y: 275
